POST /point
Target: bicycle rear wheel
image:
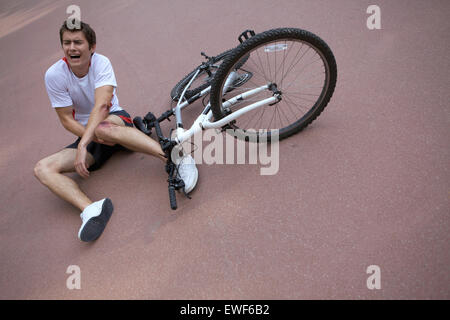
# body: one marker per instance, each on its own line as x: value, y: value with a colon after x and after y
x: 297, y: 66
x: 203, y: 79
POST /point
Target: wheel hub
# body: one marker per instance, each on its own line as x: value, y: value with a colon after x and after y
x: 276, y: 93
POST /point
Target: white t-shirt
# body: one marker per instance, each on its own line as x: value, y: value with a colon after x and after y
x: 65, y: 89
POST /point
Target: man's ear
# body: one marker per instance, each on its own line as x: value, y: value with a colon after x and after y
x: 93, y: 47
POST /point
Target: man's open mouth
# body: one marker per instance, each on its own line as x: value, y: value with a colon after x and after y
x: 74, y: 57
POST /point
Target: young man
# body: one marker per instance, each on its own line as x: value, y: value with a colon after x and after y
x: 82, y: 90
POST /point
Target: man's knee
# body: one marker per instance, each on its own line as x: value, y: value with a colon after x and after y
x: 43, y: 168
x: 106, y: 130
x: 40, y: 169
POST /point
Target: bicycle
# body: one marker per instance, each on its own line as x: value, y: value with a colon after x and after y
x: 260, y: 84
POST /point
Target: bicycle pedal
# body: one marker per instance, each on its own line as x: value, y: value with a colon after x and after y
x: 245, y: 35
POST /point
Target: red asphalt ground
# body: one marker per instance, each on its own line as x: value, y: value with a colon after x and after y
x: 367, y: 184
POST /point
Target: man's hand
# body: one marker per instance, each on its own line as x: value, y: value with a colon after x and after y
x: 80, y: 162
x: 98, y: 114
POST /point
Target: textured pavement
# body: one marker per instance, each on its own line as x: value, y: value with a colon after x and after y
x: 368, y: 183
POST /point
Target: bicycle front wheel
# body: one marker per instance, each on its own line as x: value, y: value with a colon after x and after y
x: 295, y: 65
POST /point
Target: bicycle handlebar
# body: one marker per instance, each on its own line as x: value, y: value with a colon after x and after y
x: 146, y: 125
x: 172, y: 198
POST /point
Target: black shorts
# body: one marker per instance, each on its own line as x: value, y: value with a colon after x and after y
x: 102, y: 152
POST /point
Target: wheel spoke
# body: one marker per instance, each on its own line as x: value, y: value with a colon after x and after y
x: 300, y: 71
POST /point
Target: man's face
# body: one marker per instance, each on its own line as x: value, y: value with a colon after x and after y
x: 76, y: 49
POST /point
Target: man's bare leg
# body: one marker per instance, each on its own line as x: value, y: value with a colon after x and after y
x: 49, y: 171
x: 113, y: 130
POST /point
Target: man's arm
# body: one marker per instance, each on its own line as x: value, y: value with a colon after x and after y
x: 103, y: 96
x: 65, y: 115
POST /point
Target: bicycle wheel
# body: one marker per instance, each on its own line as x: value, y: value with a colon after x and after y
x: 203, y: 79
x: 298, y: 67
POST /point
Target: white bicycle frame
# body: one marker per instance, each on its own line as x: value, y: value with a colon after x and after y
x: 204, y: 120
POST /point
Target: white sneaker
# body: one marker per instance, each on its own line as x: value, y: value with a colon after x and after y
x: 187, y: 171
x: 95, y: 217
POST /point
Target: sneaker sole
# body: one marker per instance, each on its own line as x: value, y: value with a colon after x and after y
x: 95, y: 226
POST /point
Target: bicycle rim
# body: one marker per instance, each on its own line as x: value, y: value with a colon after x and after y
x: 297, y: 69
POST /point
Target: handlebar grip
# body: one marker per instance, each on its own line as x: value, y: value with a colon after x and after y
x: 139, y: 123
x: 172, y: 198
